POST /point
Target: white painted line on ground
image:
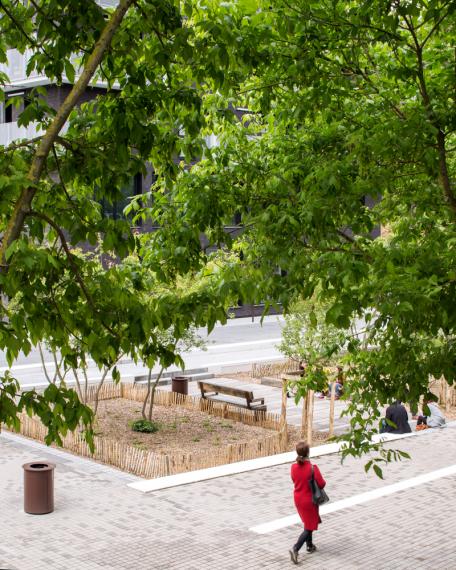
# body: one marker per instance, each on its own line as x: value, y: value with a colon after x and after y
x: 48, y: 364
x: 209, y: 366
x: 67, y: 381
x: 151, y: 485
x: 51, y: 364
x: 248, y: 361
x: 358, y: 499
x: 235, y: 344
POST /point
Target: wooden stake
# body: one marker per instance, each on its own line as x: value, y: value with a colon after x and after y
x: 283, y: 415
x: 310, y: 409
x: 304, y: 417
x: 448, y: 397
x: 331, y: 409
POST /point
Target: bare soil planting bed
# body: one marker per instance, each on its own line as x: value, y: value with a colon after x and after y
x: 181, y: 430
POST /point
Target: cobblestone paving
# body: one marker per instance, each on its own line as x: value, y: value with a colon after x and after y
x: 101, y: 524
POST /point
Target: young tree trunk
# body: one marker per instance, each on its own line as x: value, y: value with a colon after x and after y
x: 143, y: 411
x: 43, y: 364
x: 58, y: 373
x: 78, y: 386
x: 100, y: 385
x: 152, y: 396
x: 97, y: 393
x: 86, y: 385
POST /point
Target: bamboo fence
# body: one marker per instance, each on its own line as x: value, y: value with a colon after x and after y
x: 274, y: 369
x: 211, y: 407
x: 445, y: 393
x: 149, y: 464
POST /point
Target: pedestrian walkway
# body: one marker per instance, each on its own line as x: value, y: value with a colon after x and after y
x: 102, y: 524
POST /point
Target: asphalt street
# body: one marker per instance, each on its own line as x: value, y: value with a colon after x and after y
x: 232, y: 346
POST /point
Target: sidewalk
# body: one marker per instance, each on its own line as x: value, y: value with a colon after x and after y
x: 100, y: 523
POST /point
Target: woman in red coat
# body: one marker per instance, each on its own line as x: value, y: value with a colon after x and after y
x: 301, y: 474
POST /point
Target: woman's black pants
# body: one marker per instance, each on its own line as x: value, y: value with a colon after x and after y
x: 305, y: 536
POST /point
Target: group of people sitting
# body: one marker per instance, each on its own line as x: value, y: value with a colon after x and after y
x: 396, y: 418
x: 338, y: 386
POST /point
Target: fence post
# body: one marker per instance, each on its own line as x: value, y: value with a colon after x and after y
x: 449, y: 397
x: 305, y: 415
x: 442, y: 391
x: 283, y: 415
x: 310, y: 408
x: 331, y: 409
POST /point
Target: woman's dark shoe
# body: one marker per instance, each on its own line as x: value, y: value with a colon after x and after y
x: 293, y: 555
x: 311, y: 548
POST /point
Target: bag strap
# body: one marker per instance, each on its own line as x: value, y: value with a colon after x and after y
x: 312, y: 478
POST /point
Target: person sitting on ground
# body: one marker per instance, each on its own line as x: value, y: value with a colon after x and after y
x: 339, y: 386
x: 397, y: 415
x: 435, y: 419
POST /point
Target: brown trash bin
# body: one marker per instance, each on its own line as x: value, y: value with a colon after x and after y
x: 39, y: 487
x: 179, y: 384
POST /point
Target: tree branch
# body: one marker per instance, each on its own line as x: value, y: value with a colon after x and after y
x: 23, y: 204
x: 444, y: 177
x: 15, y: 146
x: 21, y: 29
x: 349, y: 238
x: 69, y: 255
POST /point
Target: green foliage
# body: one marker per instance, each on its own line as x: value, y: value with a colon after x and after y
x: 59, y: 409
x: 351, y: 126
x: 162, y: 61
x: 306, y: 336
x: 145, y: 426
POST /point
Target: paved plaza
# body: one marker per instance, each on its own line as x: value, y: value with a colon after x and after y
x: 99, y: 523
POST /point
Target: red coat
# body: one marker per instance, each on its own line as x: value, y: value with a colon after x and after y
x: 301, y: 474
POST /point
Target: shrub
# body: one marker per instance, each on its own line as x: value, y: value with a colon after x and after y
x: 145, y: 426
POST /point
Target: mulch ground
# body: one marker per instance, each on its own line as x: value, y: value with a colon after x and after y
x: 182, y: 430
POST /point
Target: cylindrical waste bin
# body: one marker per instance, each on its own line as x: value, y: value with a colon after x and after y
x: 39, y: 487
x: 179, y: 384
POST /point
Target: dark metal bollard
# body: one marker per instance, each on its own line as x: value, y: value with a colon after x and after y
x: 38, y: 487
x: 179, y: 384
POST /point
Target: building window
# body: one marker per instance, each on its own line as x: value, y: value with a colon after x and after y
x: 6, y: 113
x: 116, y: 209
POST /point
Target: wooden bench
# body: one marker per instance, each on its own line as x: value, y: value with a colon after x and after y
x: 208, y: 391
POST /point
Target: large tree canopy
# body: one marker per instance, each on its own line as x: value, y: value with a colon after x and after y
x: 350, y: 126
x: 152, y: 62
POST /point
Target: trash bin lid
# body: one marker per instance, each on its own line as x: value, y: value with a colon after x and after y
x: 39, y: 466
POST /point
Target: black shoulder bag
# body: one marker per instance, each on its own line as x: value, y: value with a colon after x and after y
x: 319, y: 496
